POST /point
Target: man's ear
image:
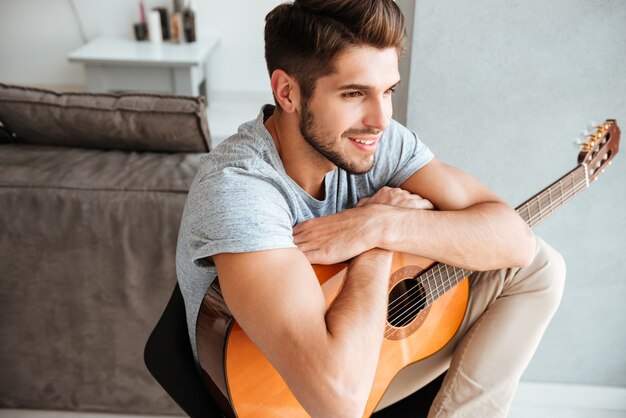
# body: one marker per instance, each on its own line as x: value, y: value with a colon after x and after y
x: 286, y: 91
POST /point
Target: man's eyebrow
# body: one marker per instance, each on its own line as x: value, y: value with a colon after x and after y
x: 363, y: 86
x: 355, y: 87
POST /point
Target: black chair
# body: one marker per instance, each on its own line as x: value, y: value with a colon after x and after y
x: 169, y: 359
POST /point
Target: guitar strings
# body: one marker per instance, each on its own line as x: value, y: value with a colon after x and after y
x: 408, y: 295
x: 422, y: 301
x: 414, y: 309
x: 430, y: 271
x: 564, y: 198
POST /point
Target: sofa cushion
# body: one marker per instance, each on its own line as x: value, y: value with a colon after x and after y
x: 45, y: 167
x: 129, y: 121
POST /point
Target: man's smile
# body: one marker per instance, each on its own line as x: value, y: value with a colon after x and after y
x: 365, y: 143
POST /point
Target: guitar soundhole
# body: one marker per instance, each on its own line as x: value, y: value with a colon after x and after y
x: 406, y: 301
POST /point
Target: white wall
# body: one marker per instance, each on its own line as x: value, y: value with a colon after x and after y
x: 37, y: 35
x: 501, y: 89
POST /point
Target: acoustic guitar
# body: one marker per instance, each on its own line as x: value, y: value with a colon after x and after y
x: 427, y: 303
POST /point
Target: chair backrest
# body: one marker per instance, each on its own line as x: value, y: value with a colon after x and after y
x: 169, y: 359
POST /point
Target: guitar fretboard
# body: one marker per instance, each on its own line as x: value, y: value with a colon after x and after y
x: 440, y: 277
x: 547, y: 201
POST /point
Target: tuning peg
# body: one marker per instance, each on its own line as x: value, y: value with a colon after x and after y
x: 581, y: 139
x: 592, y: 125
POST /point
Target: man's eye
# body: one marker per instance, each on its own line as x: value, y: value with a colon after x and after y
x: 352, y: 94
x: 391, y: 91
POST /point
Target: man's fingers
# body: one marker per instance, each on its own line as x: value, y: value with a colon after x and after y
x: 301, y: 231
x: 305, y: 247
x: 397, y: 197
x: 423, y: 204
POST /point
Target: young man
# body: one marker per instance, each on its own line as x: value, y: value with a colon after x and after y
x: 328, y: 176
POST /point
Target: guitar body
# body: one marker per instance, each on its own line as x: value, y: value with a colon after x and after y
x: 244, y: 382
x: 427, y: 303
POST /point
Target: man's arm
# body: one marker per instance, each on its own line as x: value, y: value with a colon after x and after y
x: 471, y: 228
x: 327, y: 357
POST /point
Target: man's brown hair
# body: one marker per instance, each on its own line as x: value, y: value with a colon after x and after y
x: 303, y: 37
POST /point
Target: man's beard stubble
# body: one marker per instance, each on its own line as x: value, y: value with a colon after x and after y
x: 322, y: 142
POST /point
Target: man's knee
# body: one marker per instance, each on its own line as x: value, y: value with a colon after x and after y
x: 550, y: 272
x: 543, y: 278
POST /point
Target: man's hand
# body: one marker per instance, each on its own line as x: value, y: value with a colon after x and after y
x: 336, y: 238
x: 339, y: 237
x: 394, y: 196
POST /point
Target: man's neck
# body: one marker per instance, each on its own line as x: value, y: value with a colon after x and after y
x: 301, y: 161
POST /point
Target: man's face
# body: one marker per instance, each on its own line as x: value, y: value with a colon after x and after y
x: 350, y: 108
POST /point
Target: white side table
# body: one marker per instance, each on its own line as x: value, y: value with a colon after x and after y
x: 114, y: 64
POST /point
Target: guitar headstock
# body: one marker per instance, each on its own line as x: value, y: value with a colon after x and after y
x: 600, y: 148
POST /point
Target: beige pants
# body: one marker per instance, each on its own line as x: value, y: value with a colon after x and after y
x: 508, y: 312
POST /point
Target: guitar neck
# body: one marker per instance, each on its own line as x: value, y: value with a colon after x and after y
x: 547, y: 201
x: 440, y: 278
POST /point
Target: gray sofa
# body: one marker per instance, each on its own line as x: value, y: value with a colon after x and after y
x: 92, y: 187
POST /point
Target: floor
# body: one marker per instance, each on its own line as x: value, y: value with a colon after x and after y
x: 542, y: 400
x: 533, y: 400
x: 228, y: 110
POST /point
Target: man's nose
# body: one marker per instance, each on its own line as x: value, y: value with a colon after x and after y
x: 378, y: 114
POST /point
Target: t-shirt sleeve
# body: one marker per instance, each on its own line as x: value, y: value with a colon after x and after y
x: 400, y: 155
x: 236, y: 211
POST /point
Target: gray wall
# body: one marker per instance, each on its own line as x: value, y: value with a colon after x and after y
x: 401, y: 97
x: 501, y: 89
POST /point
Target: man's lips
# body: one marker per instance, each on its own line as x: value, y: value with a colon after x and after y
x: 365, y: 143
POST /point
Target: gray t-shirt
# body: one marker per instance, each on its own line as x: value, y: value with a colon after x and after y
x: 242, y: 200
